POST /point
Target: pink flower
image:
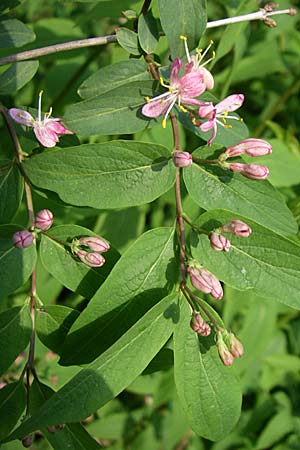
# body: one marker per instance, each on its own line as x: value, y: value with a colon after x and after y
x: 205, y: 281
x: 237, y: 227
x: 253, y: 171
x: 91, y: 259
x: 95, y: 243
x: 220, y: 111
x: 182, y: 159
x: 219, y: 242
x: 46, y: 130
x: 182, y: 90
x: 195, y: 63
x: 23, y: 239
x: 43, y: 220
x: 251, y: 147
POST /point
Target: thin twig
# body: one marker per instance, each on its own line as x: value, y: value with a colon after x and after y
x: 102, y: 40
x: 200, y: 303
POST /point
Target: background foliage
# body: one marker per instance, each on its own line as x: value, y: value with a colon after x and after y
x: 127, y: 325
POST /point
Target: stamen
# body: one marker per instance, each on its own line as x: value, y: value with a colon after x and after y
x: 147, y: 99
x: 40, y: 106
x: 227, y: 126
x: 182, y: 108
x: 188, y: 56
x: 207, y: 49
x: 164, y: 123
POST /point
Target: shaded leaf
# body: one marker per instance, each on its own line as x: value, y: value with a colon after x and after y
x: 148, y: 32
x: 128, y: 40
x: 17, y: 75
x: 12, y: 404
x: 11, y: 190
x: 13, y: 33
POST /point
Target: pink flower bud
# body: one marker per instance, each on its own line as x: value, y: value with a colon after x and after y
x: 219, y: 242
x: 199, y: 325
x: 250, y: 147
x: 253, y: 171
x: 182, y: 159
x: 225, y: 355
x: 205, y: 281
x: 23, y: 239
x: 238, y: 228
x: 27, y: 441
x: 91, y: 259
x: 43, y: 220
x: 95, y: 243
x: 236, y: 347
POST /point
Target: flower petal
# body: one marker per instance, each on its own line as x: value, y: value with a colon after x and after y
x: 230, y: 103
x: 176, y: 66
x: 21, y: 116
x: 56, y: 126
x: 46, y: 137
x: 156, y: 108
x: 207, y: 110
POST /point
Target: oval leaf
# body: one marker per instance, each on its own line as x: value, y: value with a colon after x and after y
x: 182, y: 17
x: 128, y: 40
x: 11, y: 190
x: 148, y: 32
x: 209, y: 392
x: 211, y: 187
x: 16, y: 264
x: 15, y: 332
x: 12, y: 404
x: 72, y: 273
x: 140, y: 279
x: 17, y: 75
x: 110, y: 175
x: 265, y: 261
x: 13, y: 33
x: 109, y: 374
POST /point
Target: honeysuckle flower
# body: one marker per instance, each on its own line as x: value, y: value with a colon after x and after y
x: 95, y: 243
x: 90, y: 259
x: 199, y: 325
x: 218, y: 114
x: 182, y: 90
x: 23, y: 239
x: 182, y: 159
x: 251, y: 147
x: 205, y: 281
x: 194, y: 63
x: 237, y: 228
x: 43, y: 220
x: 46, y: 130
x: 253, y: 171
x: 219, y: 242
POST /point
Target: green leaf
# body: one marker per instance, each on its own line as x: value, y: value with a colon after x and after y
x: 182, y: 17
x: 143, y: 275
x: 66, y: 268
x: 12, y: 404
x: 148, y: 32
x: 128, y: 40
x: 53, y: 323
x: 265, y: 262
x: 110, y: 77
x: 15, y: 332
x: 117, y: 111
x: 11, y: 190
x: 9, y: 4
x: 13, y: 33
x: 209, y: 392
x: 17, y: 75
x: 109, y: 374
x: 109, y: 175
x: 211, y: 187
x: 16, y: 264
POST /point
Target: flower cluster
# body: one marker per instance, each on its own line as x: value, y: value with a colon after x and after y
x: 229, y: 347
x: 184, y: 90
x: 89, y: 250
x: 42, y: 222
x: 46, y: 130
x: 236, y: 227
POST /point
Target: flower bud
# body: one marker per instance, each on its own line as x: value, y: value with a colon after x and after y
x: 43, y: 220
x: 225, y: 355
x: 199, y: 325
x: 236, y: 347
x: 219, y: 242
x: 253, y: 171
x: 23, y: 239
x: 251, y: 147
x: 91, y: 259
x: 95, y: 243
x: 27, y: 441
x: 182, y: 159
x: 205, y: 281
x: 238, y: 228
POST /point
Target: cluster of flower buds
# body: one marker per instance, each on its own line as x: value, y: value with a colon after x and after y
x: 182, y: 159
x: 42, y: 222
x: 204, y: 281
x: 91, y: 254
x: 229, y: 347
x: 199, y: 325
x: 236, y: 227
x: 250, y: 147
